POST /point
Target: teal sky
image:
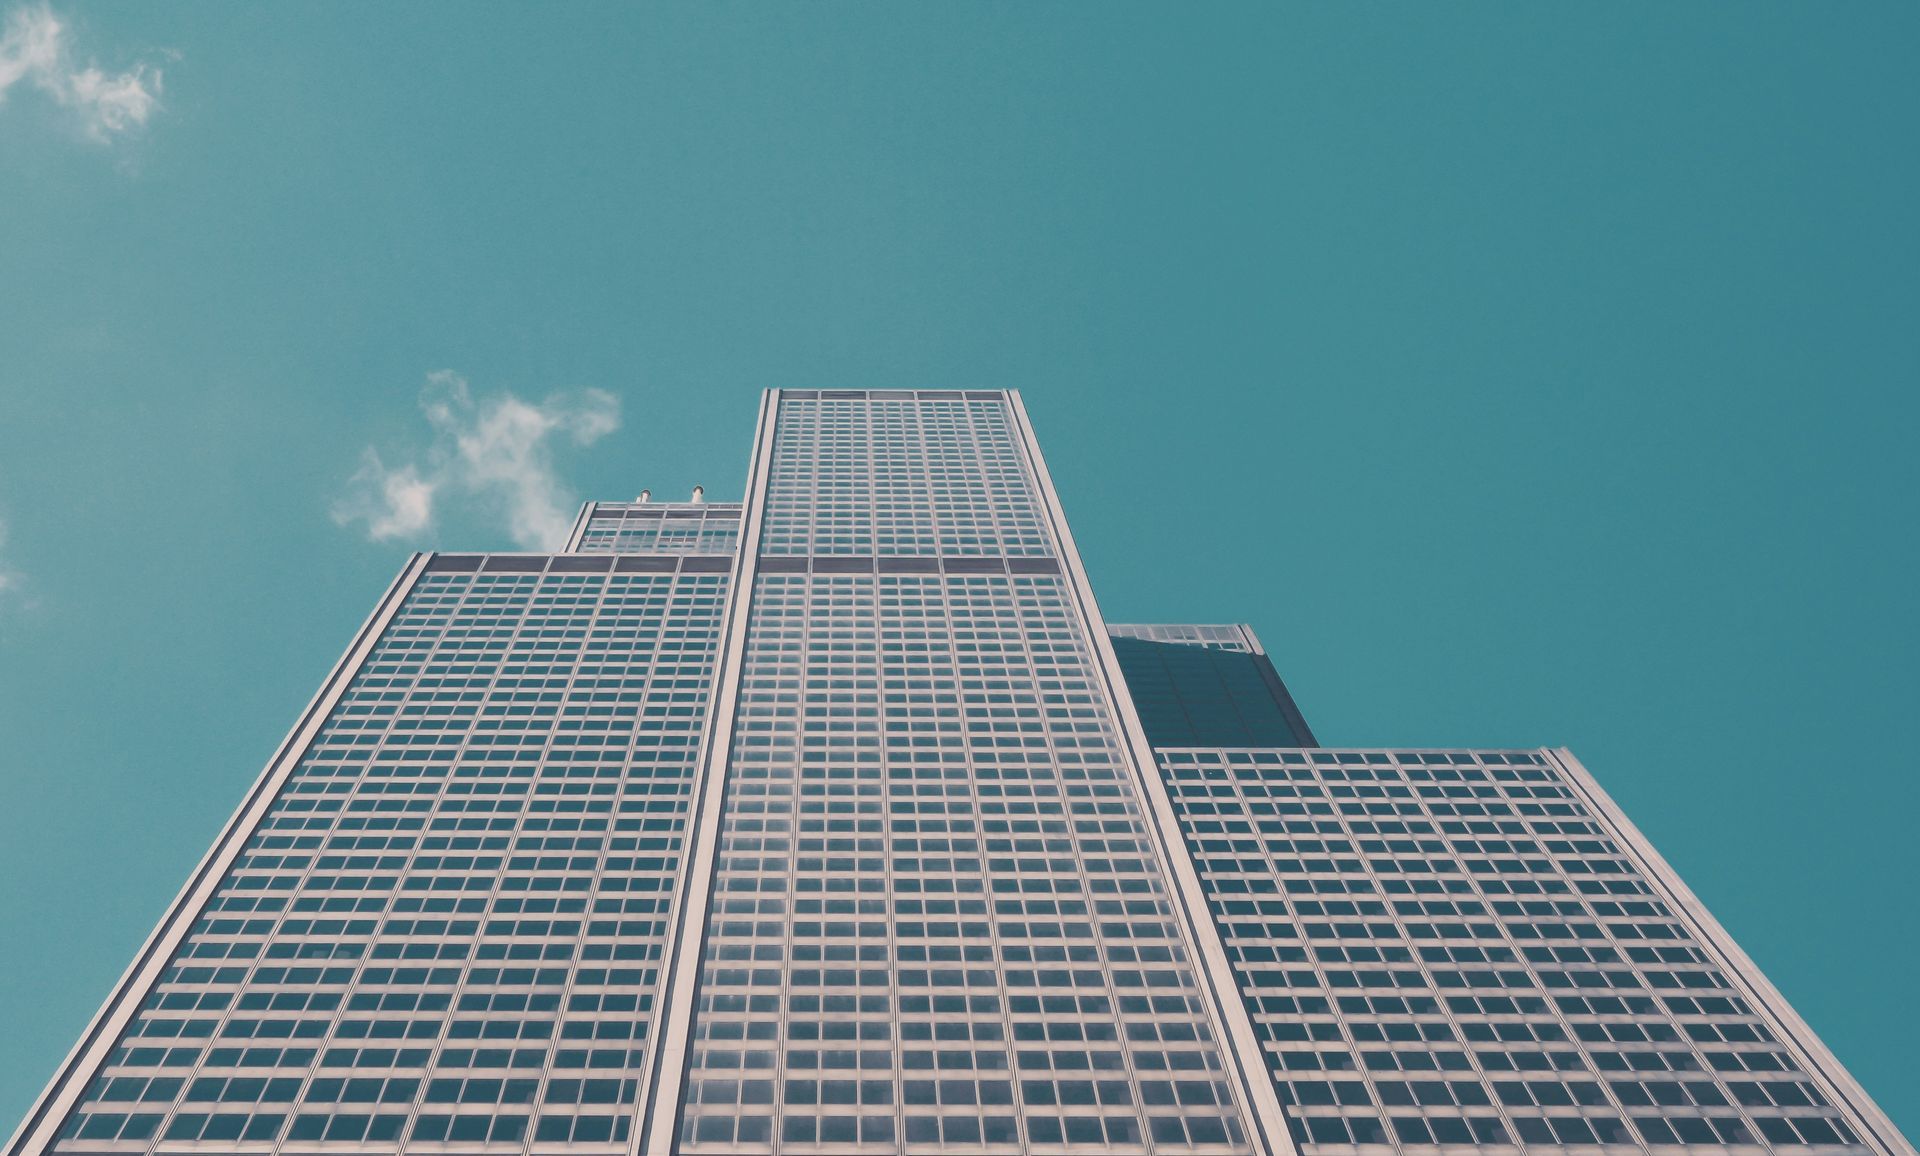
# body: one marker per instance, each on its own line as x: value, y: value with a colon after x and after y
x: 1525, y: 374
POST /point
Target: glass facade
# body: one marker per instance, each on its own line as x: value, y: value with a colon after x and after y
x: 1205, y: 686
x: 837, y: 821
x: 938, y: 911
x: 658, y: 528
x: 446, y: 927
x: 1452, y: 947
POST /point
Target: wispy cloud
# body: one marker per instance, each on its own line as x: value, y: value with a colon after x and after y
x: 36, y: 48
x: 10, y: 579
x: 493, y: 456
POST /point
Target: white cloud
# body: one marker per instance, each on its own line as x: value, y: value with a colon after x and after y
x: 10, y: 580
x: 394, y: 503
x: 494, y: 456
x: 36, y: 48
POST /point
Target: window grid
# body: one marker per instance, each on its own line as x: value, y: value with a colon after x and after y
x: 1452, y: 948
x: 661, y: 528
x: 890, y: 474
x: 938, y: 924
x: 927, y: 791
x: 516, y: 745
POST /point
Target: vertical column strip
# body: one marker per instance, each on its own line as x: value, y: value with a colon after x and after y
x: 1840, y: 1083
x: 36, y: 1133
x: 579, y: 528
x: 1227, y: 1009
x: 664, y: 1073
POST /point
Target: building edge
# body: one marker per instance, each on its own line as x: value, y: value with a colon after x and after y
x: 42, y: 1122
x: 1277, y: 687
x: 1226, y: 1008
x: 1840, y: 1083
x: 579, y: 530
x: 657, y: 1109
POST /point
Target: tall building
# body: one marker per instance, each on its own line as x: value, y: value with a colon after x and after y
x: 838, y: 821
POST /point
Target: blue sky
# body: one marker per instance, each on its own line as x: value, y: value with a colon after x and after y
x: 1524, y: 374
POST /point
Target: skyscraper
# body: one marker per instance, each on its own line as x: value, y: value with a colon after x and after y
x: 839, y: 821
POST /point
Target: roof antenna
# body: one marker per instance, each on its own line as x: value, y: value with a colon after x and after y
x: 699, y: 495
x: 645, y: 496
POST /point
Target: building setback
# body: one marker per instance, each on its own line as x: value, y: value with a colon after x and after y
x: 838, y: 821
